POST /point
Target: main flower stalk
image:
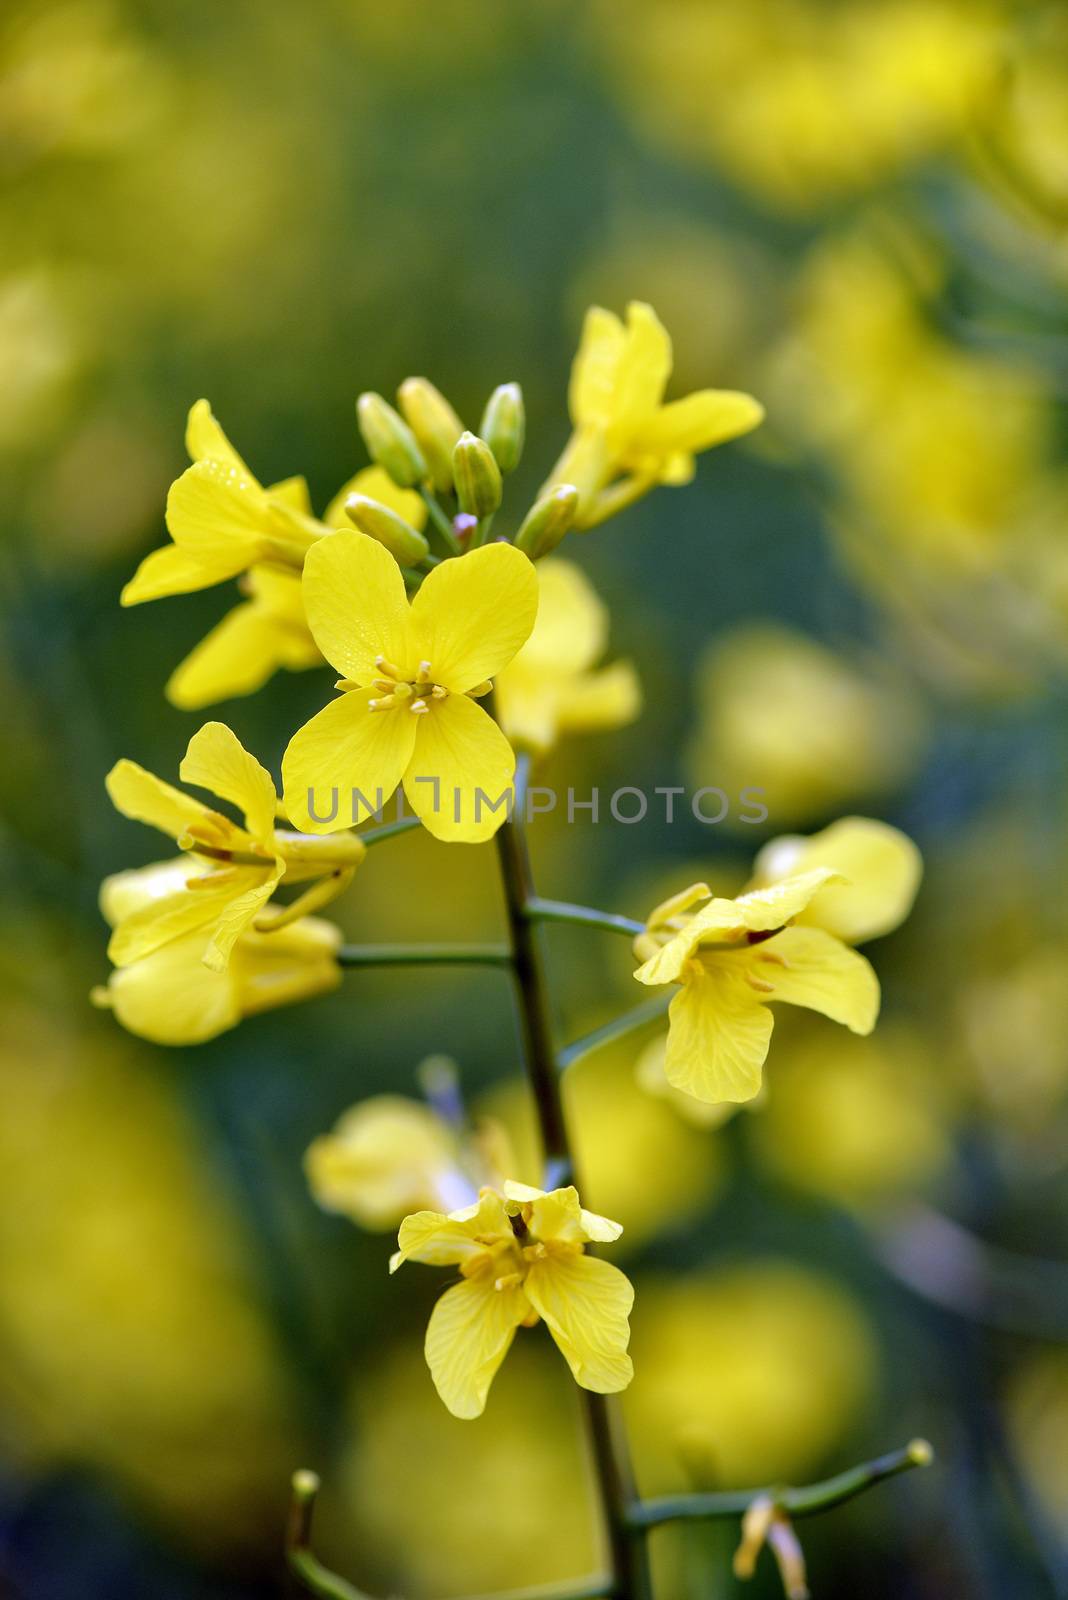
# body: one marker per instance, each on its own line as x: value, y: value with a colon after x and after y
x: 631, y: 1577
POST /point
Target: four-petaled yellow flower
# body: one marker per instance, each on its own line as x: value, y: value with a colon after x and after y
x: 787, y: 938
x: 224, y: 524
x: 410, y: 672
x: 551, y: 688
x: 170, y: 995
x: 521, y: 1254
x: 622, y: 430
x: 234, y: 870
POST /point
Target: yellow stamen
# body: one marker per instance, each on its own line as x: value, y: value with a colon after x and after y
x: 758, y: 984
x: 386, y: 667
x: 419, y: 707
x: 480, y: 689
x: 423, y: 675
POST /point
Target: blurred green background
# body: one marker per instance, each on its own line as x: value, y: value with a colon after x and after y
x: 857, y: 211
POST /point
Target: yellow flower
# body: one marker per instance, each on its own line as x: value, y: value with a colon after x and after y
x: 409, y: 674
x: 234, y: 870
x: 172, y: 997
x: 550, y: 687
x: 522, y: 1257
x: 224, y: 524
x: 786, y: 938
x: 390, y: 1155
x: 625, y: 439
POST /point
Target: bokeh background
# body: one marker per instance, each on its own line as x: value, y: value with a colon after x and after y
x: 856, y: 210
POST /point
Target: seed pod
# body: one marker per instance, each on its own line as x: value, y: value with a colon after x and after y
x: 390, y: 441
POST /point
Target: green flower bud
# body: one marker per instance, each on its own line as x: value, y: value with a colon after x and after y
x: 400, y: 539
x: 547, y: 521
x: 504, y: 425
x: 435, y: 425
x: 390, y: 441
x: 477, y: 475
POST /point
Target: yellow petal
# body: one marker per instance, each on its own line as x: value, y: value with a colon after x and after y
x: 293, y: 494
x: 585, y: 1304
x: 676, y: 904
x: 386, y: 1157
x: 356, y: 605
x: 528, y: 703
x: 236, y: 658
x: 571, y: 629
x: 460, y: 776
x: 473, y: 613
x: 170, y: 570
x: 205, y: 440
x: 346, y: 758
x: 443, y: 1239
x: 882, y: 867
x: 170, y: 997
x: 376, y: 483
x: 123, y: 893
x: 159, y: 921
x: 593, y: 372
x: 820, y: 972
x: 218, y: 516
x: 643, y: 371
x: 236, y: 916
x: 557, y: 1214
x: 299, y: 962
x: 469, y: 1334
x: 718, y: 1036
x: 701, y: 420
x: 145, y: 798
x: 216, y: 759
x: 607, y: 699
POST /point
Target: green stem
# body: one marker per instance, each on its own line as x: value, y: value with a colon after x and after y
x: 618, y: 1028
x: 424, y: 955
x: 631, y: 1577
x: 441, y: 520
x: 482, y: 532
x: 539, y: 910
x: 804, y: 1502
x: 389, y: 830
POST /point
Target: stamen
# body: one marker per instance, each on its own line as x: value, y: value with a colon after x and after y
x: 758, y: 984
x: 386, y: 703
x: 423, y: 675
x: 439, y: 693
x: 420, y: 708
x: 480, y: 689
x: 386, y: 667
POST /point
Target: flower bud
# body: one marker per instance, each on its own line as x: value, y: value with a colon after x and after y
x: 435, y: 425
x: 390, y: 441
x: 399, y: 538
x: 477, y: 475
x: 504, y: 425
x: 547, y: 521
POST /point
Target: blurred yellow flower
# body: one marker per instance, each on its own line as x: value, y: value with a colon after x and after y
x: 858, y: 1122
x: 783, y: 712
x: 1037, y: 1412
x: 552, y: 687
x: 171, y: 997
x: 799, y: 110
x: 625, y: 439
x: 410, y: 673
x: 761, y: 1367
x: 235, y: 869
x: 786, y: 938
x: 522, y: 1258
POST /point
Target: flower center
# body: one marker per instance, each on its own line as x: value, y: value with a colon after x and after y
x: 396, y: 692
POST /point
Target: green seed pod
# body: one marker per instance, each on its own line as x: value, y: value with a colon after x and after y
x: 504, y: 425
x: 400, y: 539
x: 477, y: 475
x: 435, y: 425
x: 547, y: 521
x: 390, y: 441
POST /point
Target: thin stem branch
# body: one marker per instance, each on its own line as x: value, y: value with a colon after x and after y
x: 803, y: 1502
x: 302, y: 1563
x: 389, y: 830
x: 441, y: 520
x: 630, y: 1021
x: 539, y: 910
x: 631, y: 1577
x: 424, y: 955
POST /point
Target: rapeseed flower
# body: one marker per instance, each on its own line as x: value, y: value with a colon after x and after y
x: 788, y: 937
x: 411, y: 674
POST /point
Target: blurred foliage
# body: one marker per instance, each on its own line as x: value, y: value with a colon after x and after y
x: 857, y: 209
